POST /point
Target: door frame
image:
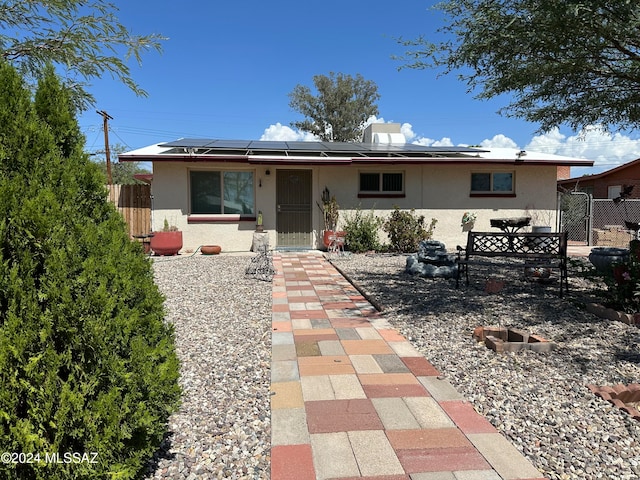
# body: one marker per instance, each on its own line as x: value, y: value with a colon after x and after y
x: 308, y: 195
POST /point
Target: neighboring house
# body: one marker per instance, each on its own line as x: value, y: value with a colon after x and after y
x: 607, y: 218
x: 607, y: 184
x: 213, y: 190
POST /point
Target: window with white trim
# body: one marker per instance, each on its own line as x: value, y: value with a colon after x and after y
x: 613, y: 191
x: 492, y: 182
x: 222, y: 192
x: 381, y: 183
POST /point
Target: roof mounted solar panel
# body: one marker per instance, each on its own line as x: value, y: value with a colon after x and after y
x: 230, y: 144
x: 190, y: 143
x: 268, y: 145
x: 307, y: 146
x: 344, y: 147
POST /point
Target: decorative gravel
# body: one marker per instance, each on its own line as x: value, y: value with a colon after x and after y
x: 222, y: 324
x: 537, y: 400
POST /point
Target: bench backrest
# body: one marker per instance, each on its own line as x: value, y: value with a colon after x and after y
x: 494, y: 244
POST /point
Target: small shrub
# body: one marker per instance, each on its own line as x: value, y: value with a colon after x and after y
x: 406, y: 230
x: 362, y: 231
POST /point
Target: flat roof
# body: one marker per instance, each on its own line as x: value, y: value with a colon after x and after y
x: 319, y: 153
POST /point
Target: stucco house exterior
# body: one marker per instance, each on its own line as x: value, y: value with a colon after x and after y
x: 213, y: 190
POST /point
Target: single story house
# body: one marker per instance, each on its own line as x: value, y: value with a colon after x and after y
x: 608, y: 184
x: 214, y: 190
x: 607, y: 215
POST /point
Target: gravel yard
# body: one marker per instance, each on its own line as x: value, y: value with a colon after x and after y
x: 538, y: 400
x: 222, y: 322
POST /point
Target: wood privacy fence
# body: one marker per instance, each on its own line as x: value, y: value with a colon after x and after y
x: 134, y: 203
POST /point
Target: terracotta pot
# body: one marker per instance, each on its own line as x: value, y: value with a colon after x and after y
x: 211, y: 249
x: 325, y: 237
x: 330, y: 233
x: 166, y: 243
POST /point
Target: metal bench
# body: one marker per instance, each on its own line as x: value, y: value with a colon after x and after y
x: 537, y: 250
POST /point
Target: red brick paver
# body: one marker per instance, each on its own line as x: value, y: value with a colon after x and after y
x: 358, y: 401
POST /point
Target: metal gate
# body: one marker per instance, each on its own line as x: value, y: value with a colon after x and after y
x: 574, y: 212
x: 293, y: 204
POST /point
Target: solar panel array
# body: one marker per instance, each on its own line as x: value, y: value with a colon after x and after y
x: 255, y: 147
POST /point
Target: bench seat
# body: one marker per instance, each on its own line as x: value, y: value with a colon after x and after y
x: 539, y: 250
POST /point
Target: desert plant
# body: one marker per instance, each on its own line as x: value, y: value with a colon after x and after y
x: 87, y: 363
x: 362, y: 231
x: 330, y: 210
x: 406, y: 230
x: 167, y: 227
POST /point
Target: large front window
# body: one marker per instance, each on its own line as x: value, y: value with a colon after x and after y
x: 222, y: 192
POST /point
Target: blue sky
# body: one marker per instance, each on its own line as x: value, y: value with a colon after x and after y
x: 228, y: 67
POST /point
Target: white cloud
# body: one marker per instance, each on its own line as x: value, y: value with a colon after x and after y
x: 607, y: 150
x: 430, y: 142
x: 407, y: 131
x: 279, y: 132
x: 498, y: 141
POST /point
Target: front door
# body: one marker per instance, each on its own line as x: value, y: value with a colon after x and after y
x: 293, y: 207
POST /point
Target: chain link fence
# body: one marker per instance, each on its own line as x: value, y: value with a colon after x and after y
x: 608, y: 228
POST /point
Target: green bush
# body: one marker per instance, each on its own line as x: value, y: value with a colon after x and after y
x: 362, y: 231
x: 87, y: 363
x: 406, y: 230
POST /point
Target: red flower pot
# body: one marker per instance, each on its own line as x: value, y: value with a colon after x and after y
x: 166, y: 243
x: 326, y: 238
x: 211, y: 249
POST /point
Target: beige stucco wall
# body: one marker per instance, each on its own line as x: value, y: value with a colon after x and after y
x: 435, y: 191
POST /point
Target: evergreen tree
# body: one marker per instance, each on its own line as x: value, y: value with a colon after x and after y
x: 87, y: 363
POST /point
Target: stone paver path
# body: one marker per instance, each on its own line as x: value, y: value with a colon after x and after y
x: 351, y: 398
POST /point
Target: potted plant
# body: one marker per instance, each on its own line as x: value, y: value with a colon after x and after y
x: 168, y: 241
x: 468, y: 221
x: 330, y: 215
x: 259, y: 225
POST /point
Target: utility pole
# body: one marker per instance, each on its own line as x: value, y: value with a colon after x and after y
x: 105, y: 126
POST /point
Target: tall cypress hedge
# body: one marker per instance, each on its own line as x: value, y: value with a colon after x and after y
x: 88, y: 369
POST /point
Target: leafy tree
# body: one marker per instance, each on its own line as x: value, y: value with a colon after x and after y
x: 574, y: 61
x: 122, y: 173
x: 339, y: 110
x: 83, y: 39
x: 87, y: 363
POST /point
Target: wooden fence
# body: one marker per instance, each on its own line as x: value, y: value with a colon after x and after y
x: 134, y: 203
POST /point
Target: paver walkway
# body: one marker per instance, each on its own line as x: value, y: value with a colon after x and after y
x: 351, y: 398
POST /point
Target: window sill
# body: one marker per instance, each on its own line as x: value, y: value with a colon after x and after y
x: 381, y: 195
x: 493, y: 195
x: 220, y: 218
